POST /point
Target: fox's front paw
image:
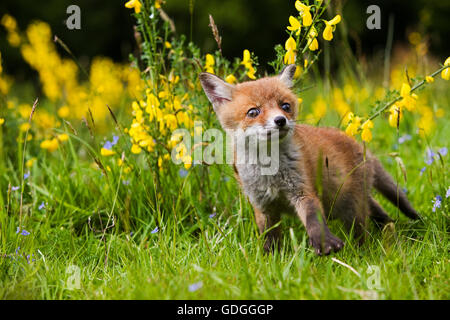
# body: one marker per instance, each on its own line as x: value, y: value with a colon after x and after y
x: 325, y: 243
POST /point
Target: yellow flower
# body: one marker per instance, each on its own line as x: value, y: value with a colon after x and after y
x: 187, y: 160
x: 289, y: 57
x: 290, y: 46
x: 348, y: 117
x: 314, y: 45
x: 298, y: 72
x: 328, y: 31
x: 8, y: 22
x: 64, y: 112
x: 106, y: 152
x: 209, y: 63
x: 171, y: 121
x: 136, y: 4
x: 30, y: 162
x: 304, y: 12
x: 445, y: 74
x: 366, y: 134
x: 429, y: 79
x: 354, y: 123
x: 447, y: 62
x: 50, y: 145
x: 127, y: 169
x: 251, y: 72
x: 167, y: 45
x: 295, y: 25
x: 2, y: 121
x: 63, y: 137
x: 25, y: 126
x: 409, y: 100
x: 247, y: 62
x: 395, y: 115
x: 231, y: 79
x: 136, y: 149
x: 246, y: 59
x: 158, y: 4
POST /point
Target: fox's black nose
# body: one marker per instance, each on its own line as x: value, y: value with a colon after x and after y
x: 280, y: 121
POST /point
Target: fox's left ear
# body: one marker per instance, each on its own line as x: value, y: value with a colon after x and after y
x: 217, y: 90
x: 287, y: 74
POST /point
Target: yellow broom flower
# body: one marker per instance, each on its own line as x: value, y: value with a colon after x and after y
x: 136, y: 4
x: 231, y: 79
x: 328, y: 31
x: 395, y: 113
x: 366, y: 134
x: 445, y: 74
x: 304, y: 12
x: 294, y: 25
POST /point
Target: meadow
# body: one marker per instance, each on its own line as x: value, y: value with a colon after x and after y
x: 92, y: 205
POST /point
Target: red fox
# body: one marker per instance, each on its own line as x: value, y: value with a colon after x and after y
x: 322, y: 172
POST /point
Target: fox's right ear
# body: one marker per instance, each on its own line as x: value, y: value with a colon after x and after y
x: 217, y: 90
x: 287, y: 74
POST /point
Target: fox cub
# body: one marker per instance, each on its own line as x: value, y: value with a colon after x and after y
x: 322, y: 172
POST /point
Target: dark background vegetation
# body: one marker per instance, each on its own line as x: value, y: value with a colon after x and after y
x: 107, y: 26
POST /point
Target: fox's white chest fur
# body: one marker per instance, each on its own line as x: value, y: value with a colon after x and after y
x: 264, y: 190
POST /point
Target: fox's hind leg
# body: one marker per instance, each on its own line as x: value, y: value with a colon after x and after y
x: 353, y: 213
x: 377, y: 214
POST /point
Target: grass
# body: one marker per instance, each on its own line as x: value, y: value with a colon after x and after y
x: 106, y: 229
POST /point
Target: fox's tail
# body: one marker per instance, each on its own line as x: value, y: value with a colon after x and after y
x: 386, y: 185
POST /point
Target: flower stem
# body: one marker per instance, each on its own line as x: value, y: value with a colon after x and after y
x: 415, y: 87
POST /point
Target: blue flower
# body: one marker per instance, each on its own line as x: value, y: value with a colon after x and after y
x: 195, y: 286
x: 404, y: 138
x: 443, y: 151
x: 155, y: 230
x: 212, y: 215
x: 429, y: 156
x: 437, y: 202
x: 182, y: 173
x: 15, y: 188
x: 108, y: 145
x: 24, y: 232
x: 448, y: 193
x: 126, y: 182
x: 422, y: 170
x: 26, y: 175
x: 42, y: 205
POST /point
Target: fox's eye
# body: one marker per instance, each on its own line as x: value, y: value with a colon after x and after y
x: 253, y: 113
x: 286, y: 107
